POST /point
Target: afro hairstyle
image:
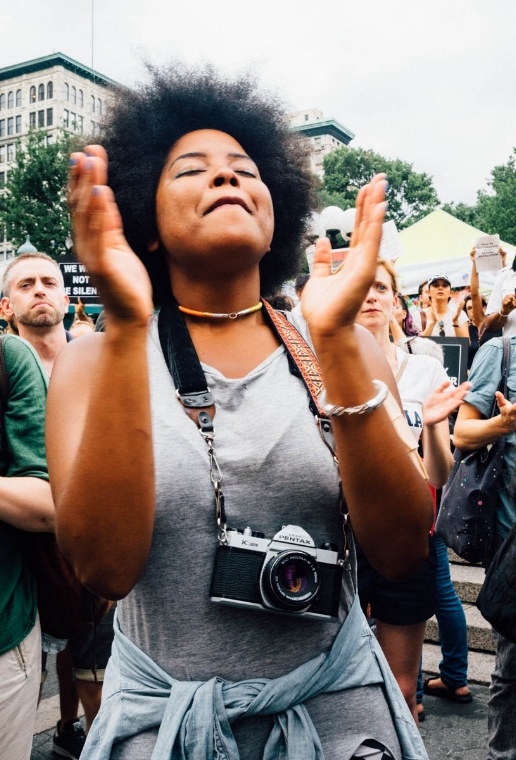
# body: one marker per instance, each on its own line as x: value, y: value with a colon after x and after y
x: 144, y: 123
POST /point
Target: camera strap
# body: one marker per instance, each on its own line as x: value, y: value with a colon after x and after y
x: 195, y: 396
x: 190, y: 380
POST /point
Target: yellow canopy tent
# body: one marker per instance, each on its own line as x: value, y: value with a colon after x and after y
x: 440, y: 244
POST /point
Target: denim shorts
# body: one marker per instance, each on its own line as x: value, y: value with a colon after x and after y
x: 407, y: 602
x: 90, y: 650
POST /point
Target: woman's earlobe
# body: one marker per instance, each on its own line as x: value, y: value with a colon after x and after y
x: 153, y: 246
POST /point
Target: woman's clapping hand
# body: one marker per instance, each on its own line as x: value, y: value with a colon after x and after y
x: 507, y: 412
x: 331, y: 302
x: 99, y: 240
x: 442, y: 402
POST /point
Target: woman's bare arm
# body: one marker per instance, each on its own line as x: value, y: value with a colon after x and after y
x: 476, y: 299
x: 473, y: 430
x: 99, y: 399
x: 388, y: 500
x: 98, y: 415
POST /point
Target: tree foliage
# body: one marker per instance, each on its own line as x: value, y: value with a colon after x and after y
x: 34, y: 199
x: 411, y: 195
x: 497, y: 207
x: 467, y: 214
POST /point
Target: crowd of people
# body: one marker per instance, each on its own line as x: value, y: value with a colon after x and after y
x: 247, y: 485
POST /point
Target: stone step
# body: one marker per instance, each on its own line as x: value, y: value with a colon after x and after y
x: 480, y: 664
x: 480, y: 637
x: 468, y: 580
x: 456, y: 560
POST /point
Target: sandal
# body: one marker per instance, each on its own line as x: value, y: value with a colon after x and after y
x: 446, y: 692
x: 421, y: 716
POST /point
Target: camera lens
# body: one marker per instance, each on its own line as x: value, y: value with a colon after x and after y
x: 291, y: 580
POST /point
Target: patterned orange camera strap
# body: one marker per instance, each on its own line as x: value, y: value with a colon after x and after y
x: 301, y: 354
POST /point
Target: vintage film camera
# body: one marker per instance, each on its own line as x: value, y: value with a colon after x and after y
x: 285, y: 574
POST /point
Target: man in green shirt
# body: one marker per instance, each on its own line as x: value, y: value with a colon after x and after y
x: 25, y: 505
x: 35, y: 298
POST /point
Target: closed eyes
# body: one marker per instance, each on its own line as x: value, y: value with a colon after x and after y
x: 191, y: 172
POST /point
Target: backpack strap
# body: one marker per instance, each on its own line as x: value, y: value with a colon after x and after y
x: 4, y: 393
x: 402, y: 368
x: 506, y: 364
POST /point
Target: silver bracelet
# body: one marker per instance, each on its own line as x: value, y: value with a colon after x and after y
x: 369, y: 406
x: 503, y: 315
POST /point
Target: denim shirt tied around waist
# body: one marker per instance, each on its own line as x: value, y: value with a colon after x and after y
x: 195, y: 716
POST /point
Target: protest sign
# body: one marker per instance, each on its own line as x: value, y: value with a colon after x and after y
x: 390, y: 246
x: 338, y: 256
x: 455, y: 352
x: 77, y: 281
x: 487, y: 253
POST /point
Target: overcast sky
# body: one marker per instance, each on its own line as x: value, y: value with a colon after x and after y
x: 431, y: 83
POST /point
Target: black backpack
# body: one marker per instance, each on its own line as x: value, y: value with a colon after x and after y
x: 497, y: 598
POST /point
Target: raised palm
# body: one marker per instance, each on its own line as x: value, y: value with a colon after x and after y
x: 330, y: 302
x: 442, y: 402
x: 100, y: 243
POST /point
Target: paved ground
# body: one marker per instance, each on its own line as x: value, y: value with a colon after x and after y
x: 456, y: 732
x: 450, y: 731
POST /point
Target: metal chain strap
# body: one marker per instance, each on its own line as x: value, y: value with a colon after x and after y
x: 346, y: 529
x: 216, y: 479
x: 220, y: 513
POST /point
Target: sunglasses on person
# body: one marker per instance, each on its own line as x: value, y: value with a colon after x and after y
x: 440, y: 325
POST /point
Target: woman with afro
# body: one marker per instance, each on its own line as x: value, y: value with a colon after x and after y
x: 196, y: 204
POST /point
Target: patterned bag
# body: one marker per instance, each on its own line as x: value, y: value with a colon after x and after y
x: 470, y: 498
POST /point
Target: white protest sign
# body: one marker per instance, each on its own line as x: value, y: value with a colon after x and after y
x: 390, y: 246
x: 487, y: 256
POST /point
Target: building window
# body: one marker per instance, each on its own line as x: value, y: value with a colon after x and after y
x: 18, y: 98
x: 80, y: 99
x: 32, y: 120
x: 73, y: 95
x: 66, y: 92
x: 73, y: 120
x: 10, y: 254
x: 41, y: 118
x: 41, y: 92
x: 2, y: 154
x: 18, y: 125
x: 80, y: 124
x: 32, y: 96
x: 2, y: 102
x: 50, y: 91
x: 2, y: 184
x: 10, y: 100
x: 92, y: 128
x: 92, y: 104
x: 99, y: 106
x: 50, y: 117
x: 10, y: 125
x: 2, y: 127
x: 50, y: 139
x: 11, y: 153
x: 66, y: 117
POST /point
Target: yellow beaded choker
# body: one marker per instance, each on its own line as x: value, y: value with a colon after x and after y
x: 212, y: 315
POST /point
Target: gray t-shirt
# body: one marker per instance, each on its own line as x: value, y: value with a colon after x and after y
x: 276, y: 470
